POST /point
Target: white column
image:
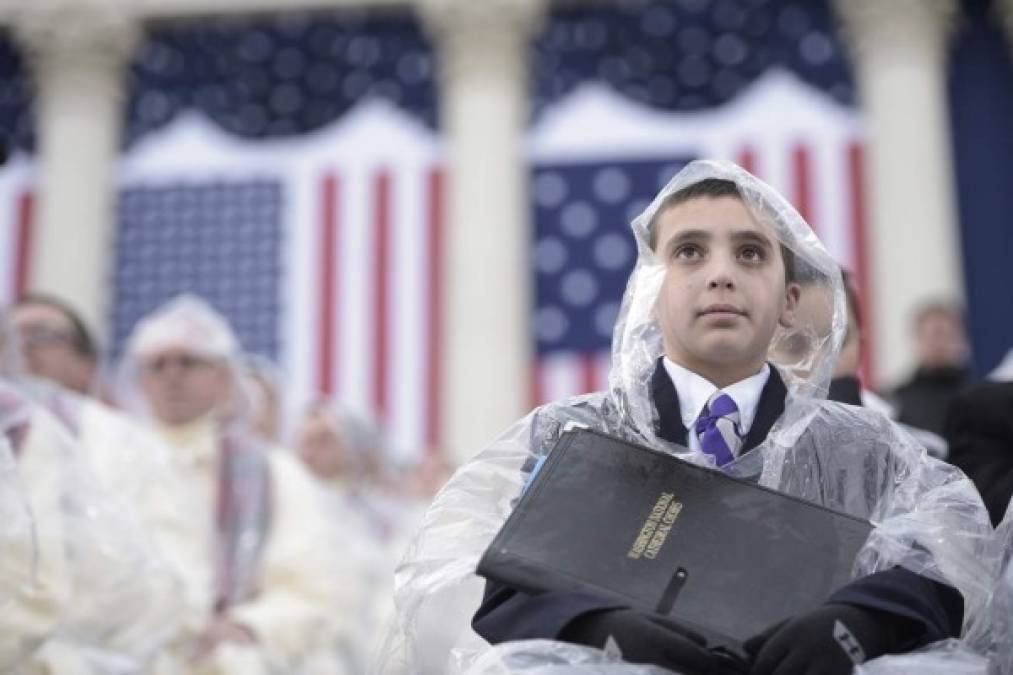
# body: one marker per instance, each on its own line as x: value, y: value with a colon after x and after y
x: 482, y: 47
x: 76, y: 52
x: 899, y: 49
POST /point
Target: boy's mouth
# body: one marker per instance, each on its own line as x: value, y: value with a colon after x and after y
x: 721, y: 310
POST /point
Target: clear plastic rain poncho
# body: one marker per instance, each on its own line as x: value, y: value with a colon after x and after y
x: 985, y: 650
x: 928, y: 516
x: 92, y: 547
x: 28, y: 605
x: 246, y: 524
x: 100, y: 584
x: 999, y: 641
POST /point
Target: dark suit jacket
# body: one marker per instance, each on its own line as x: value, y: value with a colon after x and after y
x: 979, y: 430
x: 509, y: 614
x: 845, y: 389
x: 923, y: 401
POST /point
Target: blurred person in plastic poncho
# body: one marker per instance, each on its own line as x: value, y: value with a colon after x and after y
x: 264, y: 385
x: 267, y: 588
x: 92, y: 544
x: 367, y: 503
x: 813, y: 316
x: 346, y: 452
x: 34, y: 584
x: 928, y: 563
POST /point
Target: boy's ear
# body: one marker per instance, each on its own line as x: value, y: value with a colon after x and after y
x: 792, y: 293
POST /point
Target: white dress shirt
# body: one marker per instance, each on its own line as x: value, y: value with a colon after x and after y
x: 694, y: 392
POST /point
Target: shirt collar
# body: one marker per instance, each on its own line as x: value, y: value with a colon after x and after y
x: 195, y: 442
x: 694, y: 391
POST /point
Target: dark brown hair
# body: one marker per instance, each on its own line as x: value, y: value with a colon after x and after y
x: 852, y: 296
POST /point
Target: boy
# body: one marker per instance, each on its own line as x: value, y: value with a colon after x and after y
x: 713, y: 288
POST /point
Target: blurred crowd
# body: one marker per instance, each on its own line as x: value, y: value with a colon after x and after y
x: 956, y: 416
x: 157, y: 519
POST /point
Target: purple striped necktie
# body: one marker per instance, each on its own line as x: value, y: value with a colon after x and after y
x: 718, y: 428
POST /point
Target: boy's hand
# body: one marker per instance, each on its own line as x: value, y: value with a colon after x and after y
x: 642, y: 638
x: 828, y: 641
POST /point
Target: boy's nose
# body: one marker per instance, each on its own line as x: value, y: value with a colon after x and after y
x: 721, y: 277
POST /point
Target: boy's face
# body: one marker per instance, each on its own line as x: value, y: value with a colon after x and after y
x: 724, y: 292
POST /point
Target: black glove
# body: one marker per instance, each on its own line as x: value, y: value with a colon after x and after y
x: 828, y: 641
x: 643, y: 638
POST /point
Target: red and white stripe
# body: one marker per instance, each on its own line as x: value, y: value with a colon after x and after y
x: 17, y: 230
x: 379, y: 251
x: 563, y: 374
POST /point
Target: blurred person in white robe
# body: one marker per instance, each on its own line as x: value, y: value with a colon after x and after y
x: 92, y: 543
x: 346, y: 452
x: 34, y: 584
x: 265, y: 389
x: 100, y: 588
x: 267, y: 587
x: 368, y: 494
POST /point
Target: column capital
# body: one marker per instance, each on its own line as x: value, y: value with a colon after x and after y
x: 68, y: 33
x: 473, y: 33
x: 446, y: 17
x: 900, y: 28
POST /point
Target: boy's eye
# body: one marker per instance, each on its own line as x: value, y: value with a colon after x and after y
x: 687, y: 252
x: 751, y: 254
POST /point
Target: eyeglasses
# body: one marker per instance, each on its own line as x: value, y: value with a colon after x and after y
x: 44, y: 336
x: 160, y: 364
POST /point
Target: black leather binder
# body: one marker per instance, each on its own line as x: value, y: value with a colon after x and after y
x: 723, y: 556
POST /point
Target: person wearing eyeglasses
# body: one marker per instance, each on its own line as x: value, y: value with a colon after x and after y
x: 55, y: 342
